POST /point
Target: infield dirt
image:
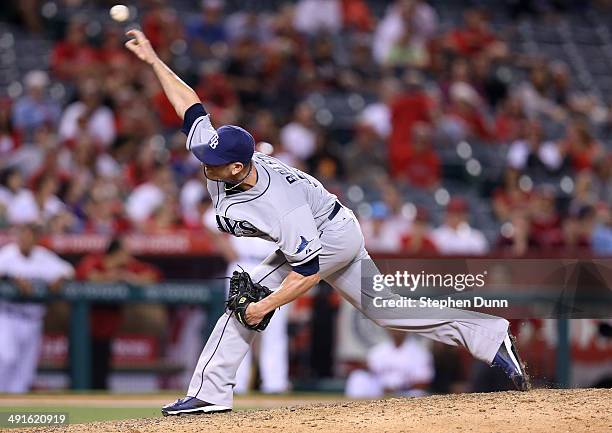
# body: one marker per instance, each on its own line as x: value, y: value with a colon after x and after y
x: 541, y: 410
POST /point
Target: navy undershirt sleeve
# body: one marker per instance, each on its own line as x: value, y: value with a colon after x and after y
x: 192, y: 113
x: 311, y: 267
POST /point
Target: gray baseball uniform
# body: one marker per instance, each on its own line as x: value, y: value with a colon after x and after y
x: 294, y: 210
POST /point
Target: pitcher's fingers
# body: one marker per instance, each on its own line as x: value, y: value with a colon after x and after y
x: 140, y: 37
x: 131, y: 45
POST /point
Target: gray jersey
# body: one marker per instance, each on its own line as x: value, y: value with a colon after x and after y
x: 286, y: 206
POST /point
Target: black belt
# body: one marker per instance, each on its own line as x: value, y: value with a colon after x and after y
x: 335, y: 210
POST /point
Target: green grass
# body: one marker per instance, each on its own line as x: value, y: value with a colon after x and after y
x: 78, y: 415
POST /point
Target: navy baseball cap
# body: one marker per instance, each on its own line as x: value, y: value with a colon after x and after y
x: 230, y: 144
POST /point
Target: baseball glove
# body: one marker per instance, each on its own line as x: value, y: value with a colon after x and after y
x: 241, y: 293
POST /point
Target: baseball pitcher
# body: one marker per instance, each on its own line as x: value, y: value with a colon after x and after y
x: 317, y: 238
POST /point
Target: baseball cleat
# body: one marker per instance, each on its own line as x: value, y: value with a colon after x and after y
x: 508, y: 359
x: 192, y: 406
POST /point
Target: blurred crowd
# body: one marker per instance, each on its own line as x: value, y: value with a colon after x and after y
x: 105, y: 155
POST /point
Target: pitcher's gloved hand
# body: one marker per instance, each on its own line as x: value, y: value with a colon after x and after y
x: 242, y: 292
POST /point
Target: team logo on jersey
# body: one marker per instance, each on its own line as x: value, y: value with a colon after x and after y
x: 237, y: 228
x: 214, y: 141
x: 303, y: 244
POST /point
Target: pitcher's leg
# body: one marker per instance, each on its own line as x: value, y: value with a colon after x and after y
x: 215, y: 373
x: 481, y: 334
x: 274, y: 354
x: 243, y: 374
x: 213, y: 378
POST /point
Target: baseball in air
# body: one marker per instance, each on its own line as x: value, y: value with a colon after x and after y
x: 119, y: 13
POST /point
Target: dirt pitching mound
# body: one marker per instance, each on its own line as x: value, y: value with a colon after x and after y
x: 542, y: 410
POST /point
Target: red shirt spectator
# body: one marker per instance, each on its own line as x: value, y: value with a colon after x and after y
x: 422, y: 164
x: 509, y: 121
x: 165, y: 111
x: 581, y: 146
x: 104, y: 216
x: 10, y: 138
x: 474, y: 37
x: 215, y: 89
x: 357, y: 15
x: 115, y: 265
x: 465, y: 108
x: 417, y: 240
x: 509, y: 197
x: 113, y: 51
x: 73, y: 54
x: 545, y: 222
x: 406, y: 110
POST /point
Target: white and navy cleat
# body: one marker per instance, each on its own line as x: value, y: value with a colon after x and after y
x: 508, y: 359
x: 192, y: 406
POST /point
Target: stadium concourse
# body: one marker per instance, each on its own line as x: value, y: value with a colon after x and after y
x: 450, y: 127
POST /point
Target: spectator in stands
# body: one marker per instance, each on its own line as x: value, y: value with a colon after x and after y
x: 149, y: 196
x: 163, y: 28
x: 515, y: 232
x: 456, y: 236
x: 422, y: 169
x: 165, y: 219
x: 597, y: 225
x: 21, y: 323
x: 30, y: 157
x: 399, y: 366
x: 509, y: 197
x: 533, y: 155
x: 488, y: 78
x: 584, y: 193
x: 11, y: 184
x: 244, y: 72
x: 317, y: 16
x: 299, y: 137
x: 545, y: 225
x: 114, y: 266
x: 384, y: 228
x: 103, y: 216
x: 581, y: 146
x: 89, y: 116
x: 10, y: 137
x: 408, y: 52
x: 357, y: 16
x: 460, y: 72
x: 208, y: 29
x: 474, y: 37
x: 560, y: 87
x: 535, y: 95
x: 142, y: 161
x: 248, y: 24
x: 417, y: 241
x: 193, y: 192
x: 366, y: 150
x: 73, y: 57
x: 576, y: 233
x: 35, y: 109
x: 413, y: 19
x: 112, y: 51
x: 509, y: 120
x: 214, y: 87
x: 328, y: 75
x: 464, y: 117
x: 379, y: 235
x: 602, y: 183
x: 412, y: 105
x: 38, y: 206
x: 378, y: 113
